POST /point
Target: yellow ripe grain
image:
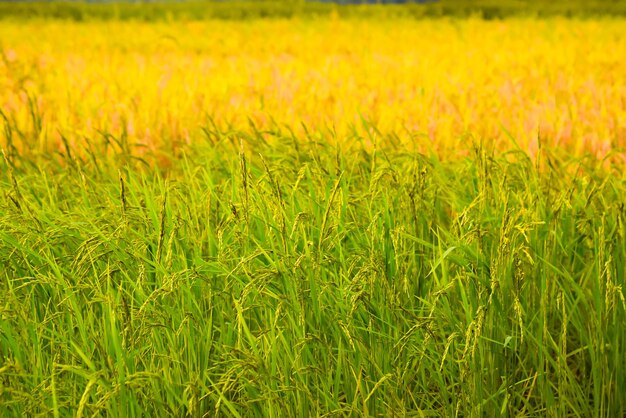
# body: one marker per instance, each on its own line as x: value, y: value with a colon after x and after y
x: 437, y: 80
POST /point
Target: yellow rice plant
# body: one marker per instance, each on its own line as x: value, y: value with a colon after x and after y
x: 430, y: 83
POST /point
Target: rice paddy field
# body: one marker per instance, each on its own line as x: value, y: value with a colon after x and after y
x: 313, y: 216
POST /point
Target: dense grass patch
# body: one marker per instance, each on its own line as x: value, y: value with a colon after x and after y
x: 299, y: 279
x: 238, y: 10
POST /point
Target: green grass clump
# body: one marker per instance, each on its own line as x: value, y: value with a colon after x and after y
x: 300, y: 279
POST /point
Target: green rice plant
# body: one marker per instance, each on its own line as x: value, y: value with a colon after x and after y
x: 294, y: 278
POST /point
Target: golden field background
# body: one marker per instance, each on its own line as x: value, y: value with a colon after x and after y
x: 426, y: 83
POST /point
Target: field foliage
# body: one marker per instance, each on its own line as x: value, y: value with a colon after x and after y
x: 313, y: 217
x: 168, y: 10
